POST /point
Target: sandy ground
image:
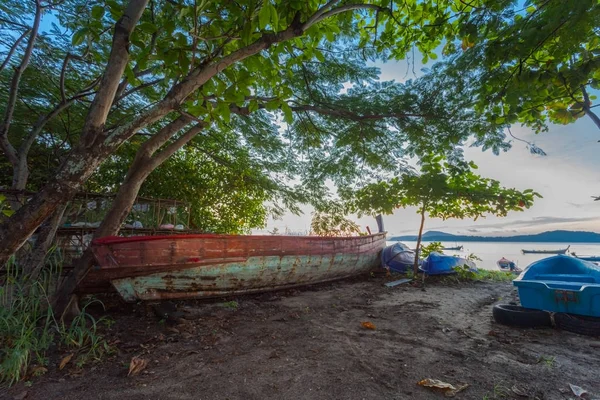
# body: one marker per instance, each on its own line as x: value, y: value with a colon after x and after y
x: 309, y: 344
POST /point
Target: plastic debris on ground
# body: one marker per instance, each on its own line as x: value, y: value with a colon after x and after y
x: 398, y: 282
x: 578, y: 391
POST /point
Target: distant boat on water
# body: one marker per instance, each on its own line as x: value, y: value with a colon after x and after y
x: 560, y: 251
x: 455, y: 248
x: 587, y: 258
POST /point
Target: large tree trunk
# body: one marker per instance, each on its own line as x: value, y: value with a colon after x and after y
x: 144, y: 163
x: 96, y: 144
x: 418, y: 249
x: 87, y: 155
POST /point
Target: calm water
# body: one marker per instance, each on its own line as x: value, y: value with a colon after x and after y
x: 490, y: 252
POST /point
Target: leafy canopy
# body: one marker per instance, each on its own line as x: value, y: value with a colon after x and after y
x: 534, y: 64
x: 443, y: 190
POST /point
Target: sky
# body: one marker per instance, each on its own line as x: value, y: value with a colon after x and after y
x: 566, y: 178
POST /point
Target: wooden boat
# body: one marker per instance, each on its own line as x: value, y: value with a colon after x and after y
x: 587, y: 258
x: 561, y: 251
x: 507, y: 265
x: 199, y: 266
x: 456, y: 248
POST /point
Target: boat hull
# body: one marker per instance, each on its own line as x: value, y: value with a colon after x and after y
x: 440, y: 264
x: 201, y: 266
x: 398, y: 258
x: 561, y: 284
x: 561, y: 251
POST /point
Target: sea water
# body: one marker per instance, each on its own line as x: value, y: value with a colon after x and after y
x: 490, y: 252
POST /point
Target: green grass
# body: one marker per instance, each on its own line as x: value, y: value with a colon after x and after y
x: 496, y: 276
x: 231, y: 304
x: 28, y: 327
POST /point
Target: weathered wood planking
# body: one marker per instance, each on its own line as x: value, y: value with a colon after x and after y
x: 188, y: 266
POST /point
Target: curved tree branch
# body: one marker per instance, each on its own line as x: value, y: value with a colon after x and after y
x: 13, y: 49
x: 8, y: 149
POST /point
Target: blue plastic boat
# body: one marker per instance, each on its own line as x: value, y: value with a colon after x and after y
x: 561, y: 284
x: 439, y: 264
x: 398, y: 257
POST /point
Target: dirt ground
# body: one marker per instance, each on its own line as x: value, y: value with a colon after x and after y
x: 309, y: 344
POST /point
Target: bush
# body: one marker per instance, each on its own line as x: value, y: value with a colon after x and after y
x: 28, y: 327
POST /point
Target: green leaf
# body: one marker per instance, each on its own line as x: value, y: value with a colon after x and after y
x: 288, y: 115
x: 79, y: 37
x: 319, y: 55
x: 272, y: 105
x: 264, y: 16
x: 224, y: 111
x: 97, y: 12
x: 147, y: 27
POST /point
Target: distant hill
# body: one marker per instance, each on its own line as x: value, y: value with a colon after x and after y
x: 548, y: 237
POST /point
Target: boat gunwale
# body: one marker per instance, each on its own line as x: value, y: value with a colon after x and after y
x: 109, y: 240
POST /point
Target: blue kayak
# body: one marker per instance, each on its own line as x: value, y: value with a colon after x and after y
x: 561, y: 284
x: 440, y: 264
x: 398, y: 257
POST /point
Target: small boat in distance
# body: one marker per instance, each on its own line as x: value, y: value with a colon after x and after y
x: 587, y: 258
x: 560, y: 251
x: 506, y: 265
x: 456, y: 248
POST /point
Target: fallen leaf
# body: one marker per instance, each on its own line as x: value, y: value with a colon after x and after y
x: 577, y: 390
x: 448, y: 389
x: 65, y: 361
x: 368, y: 325
x: 136, y: 366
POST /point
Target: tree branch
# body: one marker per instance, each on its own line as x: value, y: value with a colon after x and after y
x: 181, y: 141
x: 117, y: 61
x: 319, y: 15
x: 8, y: 148
x: 13, y: 48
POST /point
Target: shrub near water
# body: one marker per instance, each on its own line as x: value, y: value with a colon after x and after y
x: 28, y: 328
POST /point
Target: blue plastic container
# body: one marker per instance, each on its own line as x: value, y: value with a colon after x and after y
x: 561, y: 284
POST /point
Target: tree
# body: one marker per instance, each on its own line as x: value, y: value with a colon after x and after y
x: 441, y: 190
x: 536, y: 64
x: 212, y: 51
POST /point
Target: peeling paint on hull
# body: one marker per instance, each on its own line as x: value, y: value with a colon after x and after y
x: 199, y: 266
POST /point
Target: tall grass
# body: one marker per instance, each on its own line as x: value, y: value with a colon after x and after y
x: 28, y: 327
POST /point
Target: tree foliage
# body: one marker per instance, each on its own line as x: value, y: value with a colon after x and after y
x: 441, y: 190
x: 534, y: 64
x: 333, y: 224
x: 447, y: 190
